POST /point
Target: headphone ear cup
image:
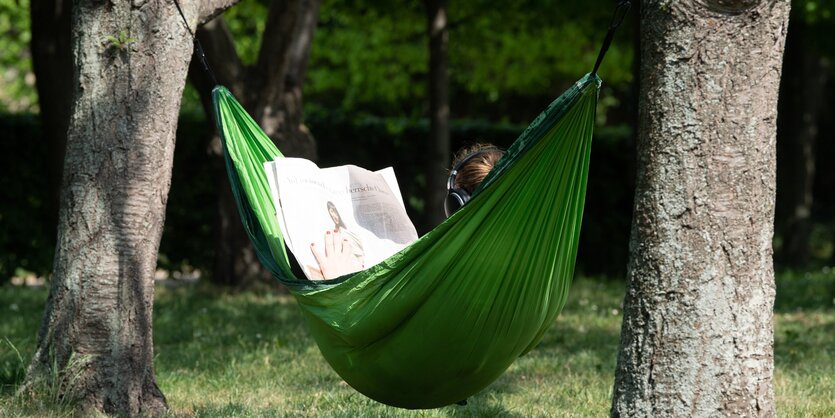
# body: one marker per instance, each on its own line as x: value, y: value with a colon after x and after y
x: 455, y: 199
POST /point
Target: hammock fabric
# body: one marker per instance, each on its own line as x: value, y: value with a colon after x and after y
x: 446, y: 316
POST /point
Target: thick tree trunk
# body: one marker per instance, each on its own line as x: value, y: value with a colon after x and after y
x: 805, y: 76
x: 96, y: 334
x: 439, y: 145
x: 52, y: 64
x: 271, y: 91
x: 697, y: 332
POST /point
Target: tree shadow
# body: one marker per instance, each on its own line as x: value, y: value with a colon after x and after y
x: 480, y: 406
x: 805, y: 291
x: 800, y: 342
x: 20, y: 308
x: 589, y: 349
x: 232, y: 325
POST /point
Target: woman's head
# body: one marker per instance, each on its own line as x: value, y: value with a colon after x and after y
x: 469, y: 168
x: 480, y: 159
x: 337, y: 220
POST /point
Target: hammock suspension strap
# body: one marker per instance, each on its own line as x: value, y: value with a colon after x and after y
x: 197, y: 45
x: 617, y: 18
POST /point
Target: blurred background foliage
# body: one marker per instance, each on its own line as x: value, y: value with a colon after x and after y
x: 370, y: 57
x: 17, y: 81
x: 366, y: 103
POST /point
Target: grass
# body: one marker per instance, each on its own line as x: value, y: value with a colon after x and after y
x: 248, y: 354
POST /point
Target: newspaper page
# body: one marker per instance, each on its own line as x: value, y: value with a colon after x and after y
x: 361, y: 207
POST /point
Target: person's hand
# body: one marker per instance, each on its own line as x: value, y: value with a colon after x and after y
x: 336, y: 258
x: 314, y: 273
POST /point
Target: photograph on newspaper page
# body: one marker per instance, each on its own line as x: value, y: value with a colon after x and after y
x: 363, y: 208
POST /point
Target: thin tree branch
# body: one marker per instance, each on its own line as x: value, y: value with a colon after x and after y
x: 209, y: 9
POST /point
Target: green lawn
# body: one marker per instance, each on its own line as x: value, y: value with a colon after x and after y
x: 248, y: 354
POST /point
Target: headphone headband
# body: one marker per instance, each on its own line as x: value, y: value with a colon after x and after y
x: 465, y: 160
x: 456, y: 197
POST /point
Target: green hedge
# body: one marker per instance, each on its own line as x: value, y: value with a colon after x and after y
x: 26, y: 240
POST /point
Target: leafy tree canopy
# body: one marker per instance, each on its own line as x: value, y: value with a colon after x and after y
x: 17, y: 81
x: 372, y: 54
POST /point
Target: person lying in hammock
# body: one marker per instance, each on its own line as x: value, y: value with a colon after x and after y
x: 469, y: 168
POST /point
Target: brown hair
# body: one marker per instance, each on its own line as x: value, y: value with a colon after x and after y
x: 473, y: 172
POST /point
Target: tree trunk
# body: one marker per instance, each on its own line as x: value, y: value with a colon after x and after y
x: 439, y: 146
x: 96, y: 335
x: 293, y: 135
x: 697, y: 332
x: 52, y: 64
x: 805, y: 77
x: 271, y: 91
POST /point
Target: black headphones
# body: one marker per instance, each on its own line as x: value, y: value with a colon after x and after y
x: 455, y: 197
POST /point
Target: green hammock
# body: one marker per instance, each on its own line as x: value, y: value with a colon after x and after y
x: 446, y: 316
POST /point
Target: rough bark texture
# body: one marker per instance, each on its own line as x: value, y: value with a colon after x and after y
x: 439, y: 145
x: 96, y: 334
x: 271, y: 91
x: 697, y: 333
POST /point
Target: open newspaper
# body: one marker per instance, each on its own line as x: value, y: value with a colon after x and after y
x: 362, y: 209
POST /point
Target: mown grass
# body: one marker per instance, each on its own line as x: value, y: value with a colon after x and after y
x: 248, y: 354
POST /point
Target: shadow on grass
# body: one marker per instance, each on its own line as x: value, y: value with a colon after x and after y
x: 228, y: 410
x: 587, y: 353
x: 804, y: 340
x: 805, y: 291
x: 12, y: 369
x: 21, y: 309
x: 481, y: 406
x: 200, y: 324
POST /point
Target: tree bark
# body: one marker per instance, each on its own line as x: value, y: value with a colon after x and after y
x: 697, y: 332
x: 96, y: 334
x: 271, y: 91
x: 439, y: 145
